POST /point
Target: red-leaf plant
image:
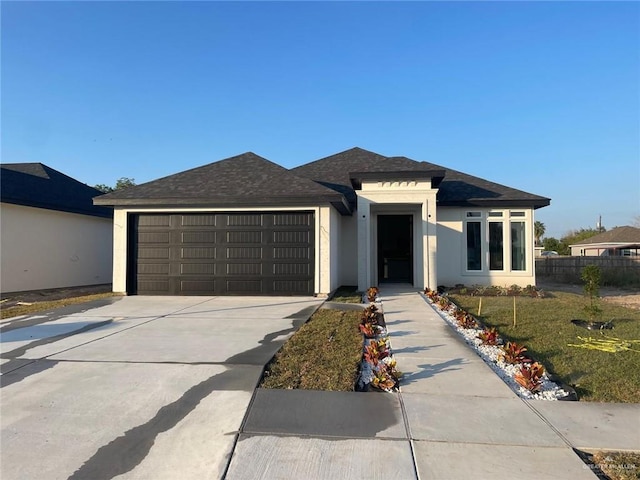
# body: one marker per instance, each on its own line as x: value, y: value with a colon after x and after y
x: 383, y: 380
x: 443, y: 303
x: 489, y: 336
x: 530, y: 376
x: 465, y: 320
x: 376, y: 351
x: 431, y: 294
x: 372, y: 293
x: 370, y: 314
x: 513, y: 353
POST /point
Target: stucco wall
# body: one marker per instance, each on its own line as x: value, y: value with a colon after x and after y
x: 42, y: 249
x: 452, y: 251
x: 349, y: 250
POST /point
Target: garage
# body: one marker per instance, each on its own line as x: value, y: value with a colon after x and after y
x: 222, y: 253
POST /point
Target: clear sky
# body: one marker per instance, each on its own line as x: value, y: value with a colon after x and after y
x: 540, y: 96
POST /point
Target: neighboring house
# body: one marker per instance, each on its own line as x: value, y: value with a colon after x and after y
x: 245, y: 225
x: 51, y: 234
x: 619, y: 241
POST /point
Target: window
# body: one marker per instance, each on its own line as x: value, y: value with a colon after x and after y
x: 518, y: 248
x: 497, y: 240
x: 474, y: 246
x: 496, y: 248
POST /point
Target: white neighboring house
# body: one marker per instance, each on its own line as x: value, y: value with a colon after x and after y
x: 247, y: 226
x: 619, y: 241
x: 51, y: 234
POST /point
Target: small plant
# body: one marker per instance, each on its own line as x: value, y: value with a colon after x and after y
x: 383, y: 380
x: 444, y: 302
x: 515, y: 289
x: 431, y: 294
x: 591, y: 277
x: 370, y: 314
x: 489, y: 336
x: 372, y: 294
x: 376, y: 351
x: 513, y: 353
x: 369, y: 330
x: 530, y: 376
x: 465, y: 320
x: 390, y: 365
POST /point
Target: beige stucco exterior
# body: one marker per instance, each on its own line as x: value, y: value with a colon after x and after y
x: 452, y: 253
x: 410, y: 197
x: 43, y: 249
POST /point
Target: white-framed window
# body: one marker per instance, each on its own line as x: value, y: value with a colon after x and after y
x: 496, y: 240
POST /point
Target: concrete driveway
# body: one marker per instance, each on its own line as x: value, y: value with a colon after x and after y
x: 136, y: 387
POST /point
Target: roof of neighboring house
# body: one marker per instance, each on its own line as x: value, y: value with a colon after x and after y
x: 244, y: 180
x: 249, y: 180
x: 455, y: 189
x: 40, y: 186
x: 617, y: 235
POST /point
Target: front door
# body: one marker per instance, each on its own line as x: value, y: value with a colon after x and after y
x: 395, y: 248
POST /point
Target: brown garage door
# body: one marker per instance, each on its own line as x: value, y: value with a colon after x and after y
x: 254, y: 253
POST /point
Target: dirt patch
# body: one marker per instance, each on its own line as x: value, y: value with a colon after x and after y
x: 619, y: 296
x: 12, y: 299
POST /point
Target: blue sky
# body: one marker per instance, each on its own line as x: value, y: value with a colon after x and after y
x: 540, y: 96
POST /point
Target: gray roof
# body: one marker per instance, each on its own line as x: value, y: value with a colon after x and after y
x: 623, y: 235
x: 246, y: 180
x: 249, y: 180
x: 455, y: 189
x: 37, y: 185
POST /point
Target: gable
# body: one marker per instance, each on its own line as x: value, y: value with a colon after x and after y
x: 455, y: 188
x: 247, y: 180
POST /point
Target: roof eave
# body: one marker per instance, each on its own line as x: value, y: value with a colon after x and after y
x: 522, y: 203
x: 58, y: 208
x: 226, y: 202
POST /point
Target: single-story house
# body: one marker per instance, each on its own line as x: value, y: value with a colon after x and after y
x: 619, y: 241
x: 246, y: 226
x: 51, y: 233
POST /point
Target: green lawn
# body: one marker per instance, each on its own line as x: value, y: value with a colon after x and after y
x: 324, y: 354
x: 544, y: 327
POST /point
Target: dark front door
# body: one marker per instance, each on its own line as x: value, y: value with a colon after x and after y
x: 395, y: 248
x: 222, y: 253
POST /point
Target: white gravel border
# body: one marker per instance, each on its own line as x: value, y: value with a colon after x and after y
x: 490, y: 353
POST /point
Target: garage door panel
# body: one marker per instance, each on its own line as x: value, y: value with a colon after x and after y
x: 224, y: 253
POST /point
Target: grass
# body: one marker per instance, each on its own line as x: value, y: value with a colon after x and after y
x: 347, y: 295
x: 616, y: 465
x: 324, y: 354
x: 544, y: 327
x: 36, y: 307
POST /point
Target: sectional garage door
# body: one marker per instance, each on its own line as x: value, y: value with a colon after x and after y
x: 256, y: 253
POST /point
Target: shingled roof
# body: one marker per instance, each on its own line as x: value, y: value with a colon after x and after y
x: 246, y: 180
x: 455, y: 188
x: 37, y: 185
x: 622, y: 235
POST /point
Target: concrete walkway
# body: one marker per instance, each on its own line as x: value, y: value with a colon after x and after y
x: 454, y: 419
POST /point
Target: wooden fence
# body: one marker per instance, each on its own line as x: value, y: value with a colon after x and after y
x: 619, y: 271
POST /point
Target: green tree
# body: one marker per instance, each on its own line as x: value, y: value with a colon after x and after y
x: 538, y: 232
x: 553, y: 244
x: 122, y: 182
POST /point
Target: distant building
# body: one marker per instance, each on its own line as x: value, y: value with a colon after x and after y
x: 51, y: 234
x: 619, y: 241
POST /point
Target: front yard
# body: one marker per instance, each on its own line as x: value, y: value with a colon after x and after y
x: 544, y: 326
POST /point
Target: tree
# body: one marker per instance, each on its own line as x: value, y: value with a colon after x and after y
x: 553, y: 244
x: 538, y: 231
x: 121, y: 183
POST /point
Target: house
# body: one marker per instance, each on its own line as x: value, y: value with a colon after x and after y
x: 245, y: 226
x: 619, y: 241
x: 51, y: 234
